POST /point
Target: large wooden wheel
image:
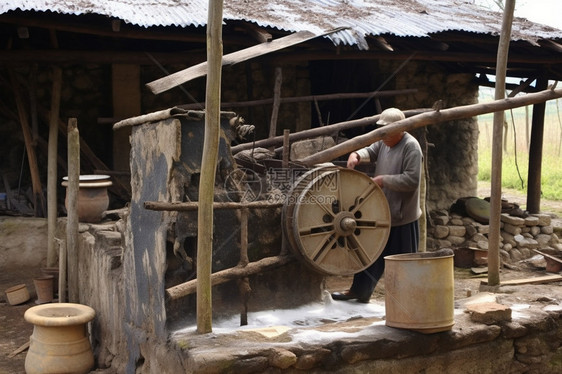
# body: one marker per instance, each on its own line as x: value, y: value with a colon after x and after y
x: 336, y: 220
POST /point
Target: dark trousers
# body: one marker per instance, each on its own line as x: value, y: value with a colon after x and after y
x: 402, y: 239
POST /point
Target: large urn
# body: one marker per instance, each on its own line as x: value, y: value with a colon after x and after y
x: 59, y: 342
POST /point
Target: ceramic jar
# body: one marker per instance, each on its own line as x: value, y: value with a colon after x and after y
x: 59, y: 342
x: 93, y: 198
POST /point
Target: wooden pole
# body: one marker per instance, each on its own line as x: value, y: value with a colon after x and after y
x: 237, y: 272
x: 208, y: 167
x: 52, y: 167
x: 535, y: 154
x: 499, y: 119
x: 429, y: 118
x: 72, y: 210
x: 276, y: 102
x: 318, y: 131
x: 38, y: 198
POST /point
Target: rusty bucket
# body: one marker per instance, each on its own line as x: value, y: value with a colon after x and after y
x: 419, y: 291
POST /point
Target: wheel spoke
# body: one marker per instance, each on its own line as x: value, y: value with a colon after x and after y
x: 316, y: 230
x: 322, y: 249
x: 358, y: 251
x: 364, y: 197
x: 370, y: 224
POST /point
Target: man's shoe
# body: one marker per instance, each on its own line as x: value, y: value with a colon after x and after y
x: 346, y: 295
x: 350, y: 295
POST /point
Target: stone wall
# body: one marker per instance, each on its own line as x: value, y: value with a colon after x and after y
x: 452, y: 147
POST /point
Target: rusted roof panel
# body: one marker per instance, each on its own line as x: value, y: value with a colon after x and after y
x: 413, y: 18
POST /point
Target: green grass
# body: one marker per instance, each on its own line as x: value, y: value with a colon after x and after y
x: 514, y: 174
x: 515, y: 169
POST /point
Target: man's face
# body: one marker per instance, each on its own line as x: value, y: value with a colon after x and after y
x: 392, y: 139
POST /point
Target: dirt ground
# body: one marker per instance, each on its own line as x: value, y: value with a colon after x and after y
x: 15, y: 331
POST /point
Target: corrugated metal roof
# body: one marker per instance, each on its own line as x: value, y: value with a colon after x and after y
x: 413, y: 18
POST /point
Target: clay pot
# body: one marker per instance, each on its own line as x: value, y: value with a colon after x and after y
x: 54, y: 271
x: 44, y: 289
x: 59, y: 342
x: 93, y: 199
x: 17, y: 294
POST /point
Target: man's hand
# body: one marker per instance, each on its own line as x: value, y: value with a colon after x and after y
x: 352, y: 160
x: 378, y: 180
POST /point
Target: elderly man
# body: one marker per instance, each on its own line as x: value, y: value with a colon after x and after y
x: 398, y: 159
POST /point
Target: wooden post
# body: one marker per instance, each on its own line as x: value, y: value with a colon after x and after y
x: 208, y: 167
x: 286, y: 148
x: 499, y: 119
x: 52, y: 167
x: 62, y: 271
x: 244, y: 283
x: 535, y: 154
x: 72, y: 210
x: 276, y: 102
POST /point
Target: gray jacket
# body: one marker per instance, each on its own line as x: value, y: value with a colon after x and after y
x: 401, y: 167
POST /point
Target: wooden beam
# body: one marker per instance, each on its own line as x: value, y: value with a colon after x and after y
x: 429, y: 118
x: 194, y: 205
x: 80, y: 28
x: 300, y: 99
x: 182, y: 76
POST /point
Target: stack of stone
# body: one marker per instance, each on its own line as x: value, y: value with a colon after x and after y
x: 518, y: 236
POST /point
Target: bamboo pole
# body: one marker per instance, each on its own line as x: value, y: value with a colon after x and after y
x: 499, y: 119
x: 429, y: 118
x: 72, y: 210
x: 52, y: 167
x: 208, y: 167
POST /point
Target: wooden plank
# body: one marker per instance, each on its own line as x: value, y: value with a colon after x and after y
x: 22, y: 348
x: 531, y: 280
x: 548, y: 256
x: 200, y: 70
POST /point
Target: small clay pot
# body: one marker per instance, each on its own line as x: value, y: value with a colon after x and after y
x: 18, y: 294
x: 44, y: 289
